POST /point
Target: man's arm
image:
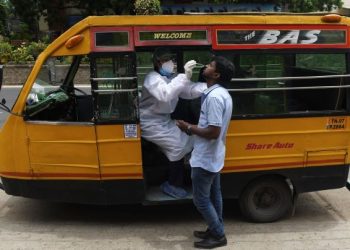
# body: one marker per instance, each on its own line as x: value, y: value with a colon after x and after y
x: 162, y: 90
x: 193, y: 90
x: 210, y: 132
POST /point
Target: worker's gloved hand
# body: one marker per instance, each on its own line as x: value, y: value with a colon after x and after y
x: 189, y: 66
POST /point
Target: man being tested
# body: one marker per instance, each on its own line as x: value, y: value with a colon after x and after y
x: 160, y: 94
x: 208, y: 155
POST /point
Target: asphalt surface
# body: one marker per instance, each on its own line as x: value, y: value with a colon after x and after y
x: 9, y: 93
x: 321, y: 221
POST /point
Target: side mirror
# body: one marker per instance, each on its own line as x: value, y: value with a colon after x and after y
x: 3, y: 106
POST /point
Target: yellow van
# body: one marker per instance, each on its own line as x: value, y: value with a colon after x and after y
x: 73, y: 134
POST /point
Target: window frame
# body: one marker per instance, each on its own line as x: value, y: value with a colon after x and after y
x: 94, y: 86
x: 233, y: 54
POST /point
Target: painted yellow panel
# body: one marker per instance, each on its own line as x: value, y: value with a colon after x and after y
x: 63, y: 150
x: 14, y: 160
x: 284, y: 143
x: 120, y: 157
x: 325, y: 157
x: 83, y: 48
x: 205, y: 20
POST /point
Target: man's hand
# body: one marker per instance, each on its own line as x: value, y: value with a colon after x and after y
x: 210, y: 132
x: 189, y: 66
x: 182, y: 125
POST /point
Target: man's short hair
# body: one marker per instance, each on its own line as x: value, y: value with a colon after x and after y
x: 225, y: 68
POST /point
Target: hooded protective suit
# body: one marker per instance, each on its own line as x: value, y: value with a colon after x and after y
x: 158, y: 100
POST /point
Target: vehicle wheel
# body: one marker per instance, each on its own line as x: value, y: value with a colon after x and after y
x: 266, y: 200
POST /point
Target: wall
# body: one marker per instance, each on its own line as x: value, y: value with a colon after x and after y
x: 17, y: 74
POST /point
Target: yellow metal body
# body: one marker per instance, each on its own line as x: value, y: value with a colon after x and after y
x: 285, y: 143
x: 35, y: 151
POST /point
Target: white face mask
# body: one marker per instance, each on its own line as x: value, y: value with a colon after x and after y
x: 168, y: 66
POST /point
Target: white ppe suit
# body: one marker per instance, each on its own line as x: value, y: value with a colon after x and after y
x: 158, y: 100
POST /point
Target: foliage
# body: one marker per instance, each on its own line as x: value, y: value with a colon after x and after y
x: 35, y: 48
x: 24, y: 53
x: 3, y: 18
x: 147, y: 7
x: 21, y: 55
x: 29, y: 14
x: 103, y: 7
x: 313, y: 5
x: 23, y: 33
x: 5, y: 52
x: 29, y: 11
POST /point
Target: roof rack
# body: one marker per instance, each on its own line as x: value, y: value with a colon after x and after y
x: 262, y: 13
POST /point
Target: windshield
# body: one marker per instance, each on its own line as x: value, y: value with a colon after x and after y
x: 50, y: 78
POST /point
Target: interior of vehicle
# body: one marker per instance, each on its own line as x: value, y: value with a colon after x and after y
x: 55, y: 97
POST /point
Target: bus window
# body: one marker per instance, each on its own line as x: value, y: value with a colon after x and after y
x: 200, y: 56
x: 333, y: 63
x: 144, y: 65
x: 115, y: 88
x: 284, y: 99
x: 318, y: 99
x: 55, y: 96
x: 258, y: 66
x: 189, y: 110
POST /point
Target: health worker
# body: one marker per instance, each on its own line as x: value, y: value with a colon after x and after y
x: 160, y: 94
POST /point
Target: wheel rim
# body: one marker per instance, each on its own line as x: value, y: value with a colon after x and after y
x: 266, y: 198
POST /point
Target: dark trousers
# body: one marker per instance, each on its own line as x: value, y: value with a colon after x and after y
x: 176, y: 173
x: 208, y: 199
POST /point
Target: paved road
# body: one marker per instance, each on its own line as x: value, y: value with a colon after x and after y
x: 10, y: 94
x: 322, y: 221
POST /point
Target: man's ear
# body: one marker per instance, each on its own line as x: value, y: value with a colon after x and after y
x: 216, y: 75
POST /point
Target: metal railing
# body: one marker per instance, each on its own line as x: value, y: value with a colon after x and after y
x: 108, y: 91
x: 114, y: 78
x: 286, y: 79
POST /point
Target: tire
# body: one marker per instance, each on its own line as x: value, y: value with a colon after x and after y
x: 266, y: 200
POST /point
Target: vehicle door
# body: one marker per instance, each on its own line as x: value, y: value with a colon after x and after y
x: 115, y: 94
x: 61, y: 146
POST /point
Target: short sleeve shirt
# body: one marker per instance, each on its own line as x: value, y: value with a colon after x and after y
x: 216, y: 110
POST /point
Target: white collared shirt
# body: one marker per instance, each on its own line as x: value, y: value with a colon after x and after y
x: 216, y: 110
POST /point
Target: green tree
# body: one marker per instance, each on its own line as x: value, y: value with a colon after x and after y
x: 3, y: 18
x: 312, y: 5
x: 147, y: 7
x: 29, y: 11
x: 103, y: 7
